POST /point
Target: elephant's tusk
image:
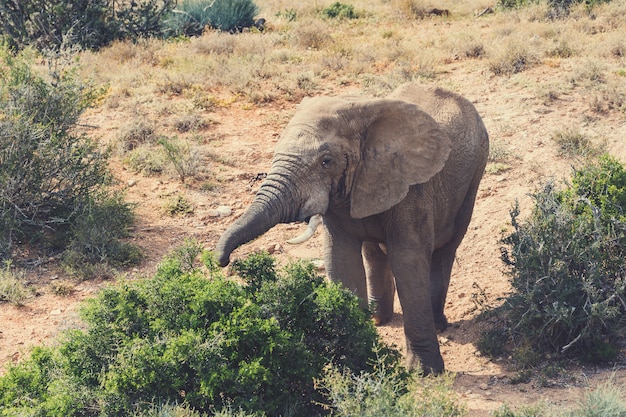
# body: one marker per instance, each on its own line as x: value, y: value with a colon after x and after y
x: 308, y: 233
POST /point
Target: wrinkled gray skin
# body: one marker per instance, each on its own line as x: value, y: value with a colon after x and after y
x: 395, y: 180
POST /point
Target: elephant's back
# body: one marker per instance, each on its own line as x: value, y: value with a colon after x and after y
x: 457, y: 116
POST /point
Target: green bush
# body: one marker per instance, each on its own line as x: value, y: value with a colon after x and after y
x: 192, y: 16
x: 339, y: 10
x: 566, y: 266
x: 198, y: 340
x: 53, y: 182
x: 89, y: 23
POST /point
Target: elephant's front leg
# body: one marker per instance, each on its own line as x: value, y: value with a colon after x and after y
x: 381, y: 285
x: 412, y: 275
x: 344, y: 263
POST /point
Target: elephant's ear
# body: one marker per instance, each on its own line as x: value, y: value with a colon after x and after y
x: 402, y: 146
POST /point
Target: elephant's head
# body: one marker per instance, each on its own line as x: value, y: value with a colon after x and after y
x: 361, y: 154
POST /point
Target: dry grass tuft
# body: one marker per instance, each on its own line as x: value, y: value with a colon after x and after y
x: 512, y: 57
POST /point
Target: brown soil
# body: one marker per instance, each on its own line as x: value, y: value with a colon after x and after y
x: 244, y: 135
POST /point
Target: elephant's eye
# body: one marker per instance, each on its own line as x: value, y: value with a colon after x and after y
x: 326, y: 161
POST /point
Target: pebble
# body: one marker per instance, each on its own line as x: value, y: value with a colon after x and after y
x: 224, y: 211
x: 318, y: 264
x: 131, y: 183
x: 212, y: 213
x: 273, y: 248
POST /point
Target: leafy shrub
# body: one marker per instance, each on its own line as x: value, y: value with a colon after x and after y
x: 566, y: 266
x: 147, y: 160
x: 193, y: 16
x: 177, y: 205
x: 204, y: 343
x: 339, y: 10
x: 88, y: 23
x: 390, y: 393
x: 53, y: 182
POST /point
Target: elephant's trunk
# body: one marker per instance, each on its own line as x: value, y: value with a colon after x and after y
x: 273, y: 204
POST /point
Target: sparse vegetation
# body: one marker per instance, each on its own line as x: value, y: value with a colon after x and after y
x: 181, y: 156
x: 389, y: 392
x: 605, y: 399
x: 572, y: 143
x: 12, y: 287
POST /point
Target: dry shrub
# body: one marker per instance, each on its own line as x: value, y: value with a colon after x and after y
x: 312, y: 34
x: 588, y: 74
x: 465, y: 45
x: 609, y: 96
x: 413, y: 9
x: 615, y: 46
x: 136, y: 133
x: 214, y: 43
x: 512, y: 58
x: 144, y: 51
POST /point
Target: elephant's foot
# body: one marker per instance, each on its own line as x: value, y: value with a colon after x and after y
x: 441, y: 323
x: 382, y: 319
x: 429, y: 365
x: 383, y: 312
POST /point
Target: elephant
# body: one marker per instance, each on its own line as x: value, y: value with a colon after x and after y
x: 395, y: 180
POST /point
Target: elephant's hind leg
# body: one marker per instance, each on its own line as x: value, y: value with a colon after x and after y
x: 381, y: 284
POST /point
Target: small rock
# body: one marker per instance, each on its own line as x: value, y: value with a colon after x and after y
x: 56, y: 312
x: 484, y: 386
x: 273, y: 248
x: 224, y: 211
x: 212, y: 213
x: 131, y: 183
x: 318, y: 264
